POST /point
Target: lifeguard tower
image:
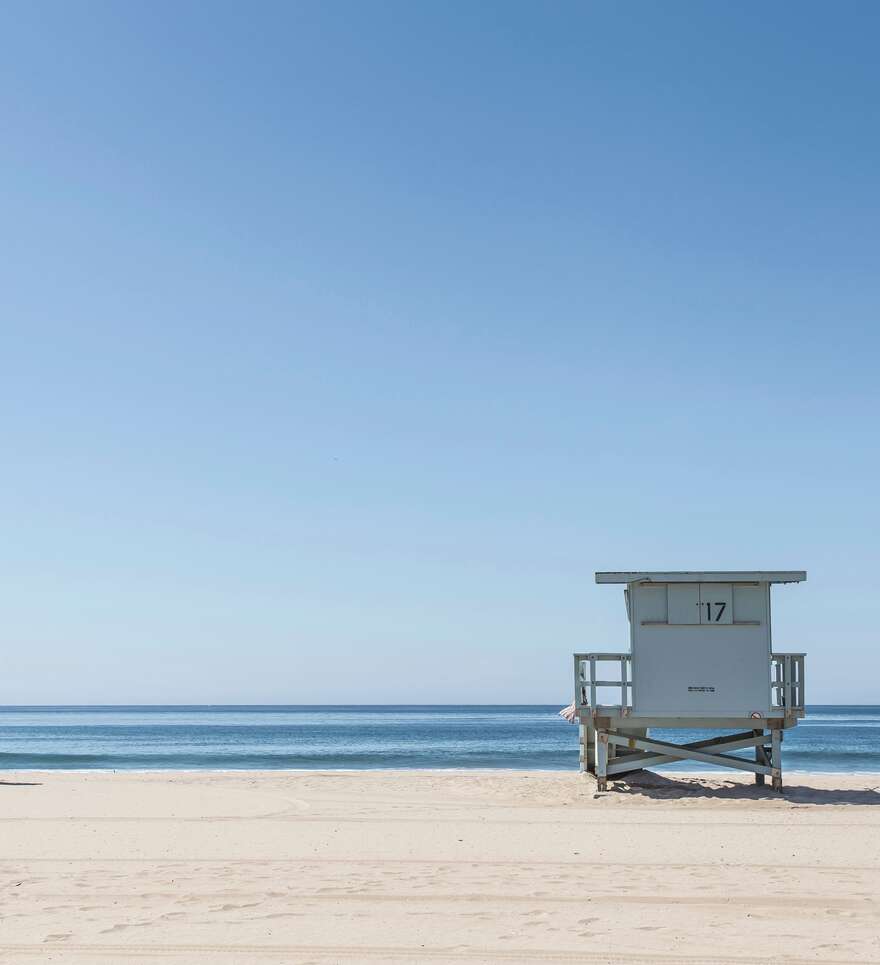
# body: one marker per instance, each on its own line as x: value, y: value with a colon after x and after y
x: 700, y: 657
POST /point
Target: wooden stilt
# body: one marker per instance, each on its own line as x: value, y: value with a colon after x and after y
x: 601, y: 760
x: 776, y: 758
x: 760, y: 757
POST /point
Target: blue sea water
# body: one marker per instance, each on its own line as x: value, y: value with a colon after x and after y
x: 832, y: 738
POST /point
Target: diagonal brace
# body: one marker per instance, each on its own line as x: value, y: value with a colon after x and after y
x: 682, y: 752
x: 635, y: 762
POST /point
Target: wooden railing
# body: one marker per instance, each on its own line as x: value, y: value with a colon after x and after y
x: 786, y: 679
x: 586, y: 682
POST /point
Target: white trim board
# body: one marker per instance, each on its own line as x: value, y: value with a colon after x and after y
x: 705, y: 576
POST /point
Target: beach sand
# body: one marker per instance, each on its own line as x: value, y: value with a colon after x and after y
x: 414, y: 866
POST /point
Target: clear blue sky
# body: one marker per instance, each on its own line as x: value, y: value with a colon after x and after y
x: 342, y: 342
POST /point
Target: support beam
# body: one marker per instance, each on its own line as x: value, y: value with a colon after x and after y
x: 680, y: 752
x: 760, y: 757
x: 601, y: 760
x: 776, y: 759
x: 585, y: 740
x: 734, y: 742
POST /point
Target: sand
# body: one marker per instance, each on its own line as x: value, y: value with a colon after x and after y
x: 500, y: 867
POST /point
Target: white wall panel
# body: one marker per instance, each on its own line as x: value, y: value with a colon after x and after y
x: 683, y: 602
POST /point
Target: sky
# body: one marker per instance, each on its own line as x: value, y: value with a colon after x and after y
x: 342, y: 342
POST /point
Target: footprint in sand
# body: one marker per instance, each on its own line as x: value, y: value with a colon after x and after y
x: 251, y: 904
x: 121, y: 926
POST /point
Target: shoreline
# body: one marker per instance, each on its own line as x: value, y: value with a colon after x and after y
x: 707, y: 773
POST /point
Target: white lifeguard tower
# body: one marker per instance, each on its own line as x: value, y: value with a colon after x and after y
x: 700, y: 657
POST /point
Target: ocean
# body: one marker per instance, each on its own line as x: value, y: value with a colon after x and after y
x: 832, y: 738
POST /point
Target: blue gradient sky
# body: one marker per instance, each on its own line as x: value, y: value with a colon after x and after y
x: 342, y: 342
